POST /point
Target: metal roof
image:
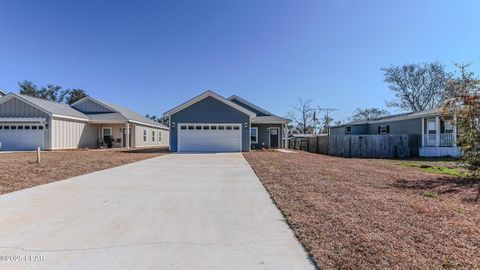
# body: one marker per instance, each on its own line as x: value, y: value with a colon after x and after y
x: 54, y: 108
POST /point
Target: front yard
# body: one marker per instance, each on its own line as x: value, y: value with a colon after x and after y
x: 374, y: 214
x: 20, y: 170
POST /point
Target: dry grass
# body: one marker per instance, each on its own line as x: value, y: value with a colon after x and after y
x: 372, y: 214
x: 20, y: 170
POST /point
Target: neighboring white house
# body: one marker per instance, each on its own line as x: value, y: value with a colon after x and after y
x: 27, y: 122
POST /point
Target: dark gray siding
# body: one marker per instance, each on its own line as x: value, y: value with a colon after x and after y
x: 88, y: 106
x: 210, y: 110
x: 17, y: 108
x: 263, y: 135
x: 410, y: 126
x: 259, y: 113
x: 356, y: 130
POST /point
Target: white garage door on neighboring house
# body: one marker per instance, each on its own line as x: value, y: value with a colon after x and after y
x: 21, y: 137
x: 209, y: 137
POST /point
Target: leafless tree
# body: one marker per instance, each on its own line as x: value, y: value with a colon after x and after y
x: 368, y: 113
x: 417, y: 87
x: 302, y: 116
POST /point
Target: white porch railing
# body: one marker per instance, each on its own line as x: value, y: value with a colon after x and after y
x: 445, y: 140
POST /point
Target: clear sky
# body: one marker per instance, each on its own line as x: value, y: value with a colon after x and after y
x: 152, y: 55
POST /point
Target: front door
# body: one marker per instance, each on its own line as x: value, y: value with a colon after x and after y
x: 124, y: 139
x: 431, y: 132
x: 274, y: 136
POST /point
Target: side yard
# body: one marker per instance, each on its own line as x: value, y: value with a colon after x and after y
x: 20, y: 170
x: 373, y: 214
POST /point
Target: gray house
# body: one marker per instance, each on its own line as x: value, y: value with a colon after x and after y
x: 212, y: 123
x: 437, y: 132
x: 27, y: 122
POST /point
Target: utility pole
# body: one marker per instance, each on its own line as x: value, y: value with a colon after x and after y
x: 327, y: 110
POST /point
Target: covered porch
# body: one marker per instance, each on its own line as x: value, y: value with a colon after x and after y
x: 115, y: 135
x: 439, y: 137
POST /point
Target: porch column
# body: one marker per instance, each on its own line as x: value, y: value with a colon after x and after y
x: 437, y: 133
x: 455, y: 130
x: 423, y: 132
x: 284, y: 134
x: 127, y: 135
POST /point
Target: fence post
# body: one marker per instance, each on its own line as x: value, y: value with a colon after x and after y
x: 38, y: 154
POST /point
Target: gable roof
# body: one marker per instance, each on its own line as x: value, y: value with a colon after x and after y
x: 249, y: 104
x: 118, y: 113
x: 204, y: 95
x: 49, y: 107
x: 2, y: 93
x: 271, y: 119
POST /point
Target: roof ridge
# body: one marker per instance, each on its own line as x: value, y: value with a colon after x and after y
x: 42, y: 99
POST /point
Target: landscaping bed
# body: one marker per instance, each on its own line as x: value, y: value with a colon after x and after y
x: 20, y: 170
x: 373, y: 214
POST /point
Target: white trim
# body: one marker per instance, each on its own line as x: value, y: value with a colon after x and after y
x: 437, y: 130
x: 205, y: 95
x: 103, y: 133
x: 256, y: 136
x: 455, y: 129
x: 149, y: 125
x: 423, y: 132
x: 69, y: 117
x: 250, y: 104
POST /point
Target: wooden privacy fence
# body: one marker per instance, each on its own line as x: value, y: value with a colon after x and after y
x: 364, y: 146
x: 317, y: 144
x: 373, y: 146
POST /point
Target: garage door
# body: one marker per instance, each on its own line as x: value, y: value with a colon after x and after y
x: 22, y: 137
x: 209, y: 138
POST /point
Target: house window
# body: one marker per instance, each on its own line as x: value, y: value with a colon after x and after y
x: 153, y: 136
x: 254, y: 135
x: 144, y: 135
x: 159, y: 136
x: 448, y: 126
x: 383, y: 129
x: 348, y: 129
x: 106, y: 134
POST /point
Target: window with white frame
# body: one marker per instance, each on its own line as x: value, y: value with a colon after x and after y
x: 448, y: 127
x: 254, y: 134
x: 348, y: 129
x: 144, y: 135
x: 159, y: 136
x: 153, y: 135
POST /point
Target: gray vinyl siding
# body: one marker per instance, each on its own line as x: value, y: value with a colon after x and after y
x: 69, y: 134
x: 17, y: 108
x: 88, y: 106
x: 263, y: 135
x: 210, y: 110
x: 410, y: 126
x: 356, y: 130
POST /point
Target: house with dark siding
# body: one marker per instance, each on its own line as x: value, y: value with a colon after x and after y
x: 437, y: 132
x: 212, y: 123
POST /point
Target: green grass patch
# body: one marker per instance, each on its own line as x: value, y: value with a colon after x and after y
x: 430, y: 194
x: 458, y: 172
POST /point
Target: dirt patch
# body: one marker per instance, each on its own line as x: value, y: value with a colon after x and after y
x: 20, y: 170
x: 373, y: 214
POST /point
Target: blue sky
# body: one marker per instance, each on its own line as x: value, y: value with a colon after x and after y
x: 153, y: 55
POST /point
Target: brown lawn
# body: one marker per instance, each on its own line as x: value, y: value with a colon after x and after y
x: 373, y: 214
x: 20, y: 170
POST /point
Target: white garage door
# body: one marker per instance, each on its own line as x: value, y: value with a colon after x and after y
x: 21, y: 137
x: 209, y: 138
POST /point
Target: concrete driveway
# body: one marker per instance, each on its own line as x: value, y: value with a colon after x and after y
x: 178, y: 211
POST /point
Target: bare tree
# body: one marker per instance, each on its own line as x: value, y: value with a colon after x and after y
x: 368, y: 113
x: 417, y: 87
x: 302, y: 116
